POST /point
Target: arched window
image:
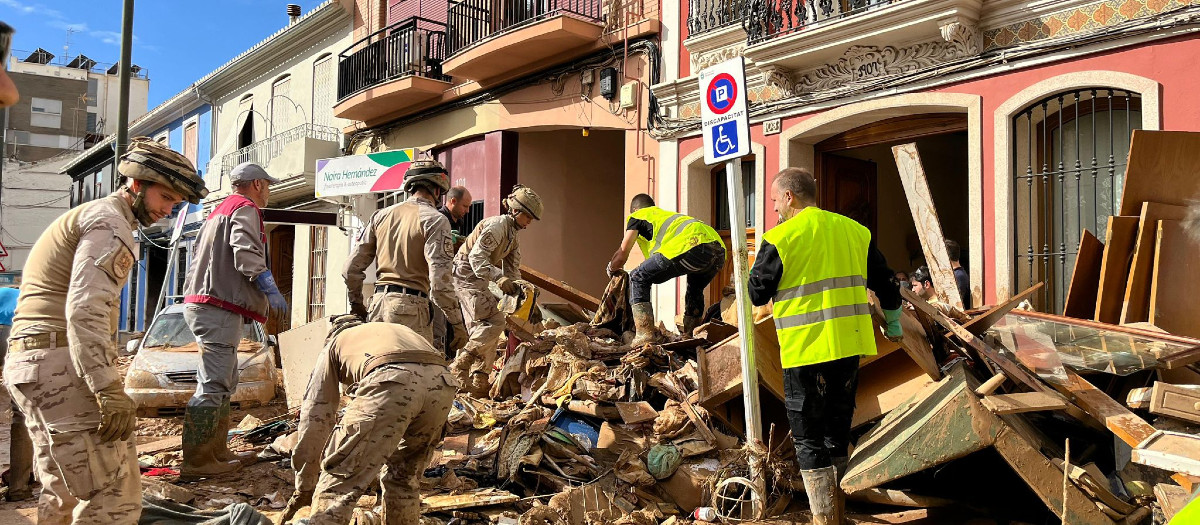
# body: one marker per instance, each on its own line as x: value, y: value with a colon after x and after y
x: 1069, y: 154
x: 282, y: 107
x: 324, y: 90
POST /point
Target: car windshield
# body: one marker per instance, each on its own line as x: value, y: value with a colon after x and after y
x: 170, y: 330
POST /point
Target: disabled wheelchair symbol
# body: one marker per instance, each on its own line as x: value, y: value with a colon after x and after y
x: 724, y: 138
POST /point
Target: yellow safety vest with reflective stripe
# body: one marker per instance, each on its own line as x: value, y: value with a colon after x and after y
x: 674, y: 233
x: 821, y: 311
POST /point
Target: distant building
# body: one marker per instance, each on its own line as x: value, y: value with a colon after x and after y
x: 65, y: 105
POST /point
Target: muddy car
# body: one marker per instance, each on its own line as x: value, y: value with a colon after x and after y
x: 162, y: 376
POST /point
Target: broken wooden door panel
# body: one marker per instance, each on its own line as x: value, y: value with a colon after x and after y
x: 929, y: 228
x: 1045, y: 479
x: 849, y: 187
x: 1114, y: 269
x: 1085, y: 278
x: 885, y: 384
x: 1175, y: 401
x: 1173, y: 304
x: 1136, y: 305
x: 721, y: 366
x: 938, y: 424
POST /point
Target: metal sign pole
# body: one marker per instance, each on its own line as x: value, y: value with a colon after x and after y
x: 741, y: 272
x: 176, y: 237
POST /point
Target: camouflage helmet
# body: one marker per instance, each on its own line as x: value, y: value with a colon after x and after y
x: 526, y: 200
x: 426, y: 171
x: 150, y: 161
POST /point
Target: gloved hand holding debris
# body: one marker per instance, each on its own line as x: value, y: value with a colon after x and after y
x: 894, y: 331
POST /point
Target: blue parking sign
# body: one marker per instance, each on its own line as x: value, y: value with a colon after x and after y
x: 724, y: 138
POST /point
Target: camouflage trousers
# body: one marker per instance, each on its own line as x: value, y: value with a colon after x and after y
x: 84, y: 481
x: 474, y: 362
x: 413, y: 311
x: 395, y: 418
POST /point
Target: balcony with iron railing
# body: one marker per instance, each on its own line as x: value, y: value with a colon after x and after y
x: 797, y: 34
x: 488, y: 39
x: 290, y: 156
x: 393, y: 68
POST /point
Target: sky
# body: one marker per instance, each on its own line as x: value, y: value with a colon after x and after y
x: 176, y: 41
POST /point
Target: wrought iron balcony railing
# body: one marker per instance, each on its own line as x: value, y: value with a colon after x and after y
x: 263, y: 151
x: 768, y: 19
x: 710, y: 15
x: 473, y: 21
x: 414, y: 46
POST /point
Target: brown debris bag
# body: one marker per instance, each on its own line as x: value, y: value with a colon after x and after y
x: 614, y: 313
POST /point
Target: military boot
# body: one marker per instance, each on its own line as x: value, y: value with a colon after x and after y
x: 199, y: 461
x: 825, y: 498
x: 690, y: 322
x: 643, y: 322
x: 220, y: 440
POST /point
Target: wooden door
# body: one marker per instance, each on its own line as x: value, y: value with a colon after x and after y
x: 848, y: 186
x: 280, y: 244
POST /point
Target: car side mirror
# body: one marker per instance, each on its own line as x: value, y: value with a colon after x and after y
x: 272, y: 341
x: 132, y: 346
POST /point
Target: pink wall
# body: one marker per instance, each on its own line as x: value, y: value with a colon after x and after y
x: 486, y: 165
x: 401, y: 9
x: 1167, y: 62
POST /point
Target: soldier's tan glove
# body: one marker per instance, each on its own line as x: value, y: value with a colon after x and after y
x: 118, y: 413
x: 299, y: 500
x: 459, y: 337
x: 508, y: 286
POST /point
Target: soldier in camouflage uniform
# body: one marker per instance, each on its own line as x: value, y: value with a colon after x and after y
x: 60, y: 367
x: 412, y: 246
x: 401, y: 394
x: 490, y: 254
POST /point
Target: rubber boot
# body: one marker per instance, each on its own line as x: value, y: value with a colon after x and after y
x: 643, y: 322
x: 199, y: 425
x: 690, y: 322
x: 220, y: 441
x: 20, y: 449
x: 824, y: 495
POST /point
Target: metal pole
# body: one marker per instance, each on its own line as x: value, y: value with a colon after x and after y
x: 741, y: 272
x: 125, y: 69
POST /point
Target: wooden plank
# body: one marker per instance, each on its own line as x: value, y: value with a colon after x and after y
x: 1113, y: 415
x: 559, y: 288
x: 1114, y: 269
x: 1011, y: 368
x: 1136, y: 305
x: 929, y: 228
x: 980, y: 324
x: 1175, y: 401
x: 1170, y: 451
x: 991, y: 385
x: 886, y: 384
x: 1171, y: 498
x: 1173, y: 304
x: 1162, y: 168
x: 1085, y: 278
x: 161, y: 445
x: 476, y: 498
x: 1003, y: 404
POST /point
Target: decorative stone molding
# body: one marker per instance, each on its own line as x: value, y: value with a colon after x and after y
x: 962, y: 34
x: 861, y: 64
x: 778, y: 78
x: 717, y: 46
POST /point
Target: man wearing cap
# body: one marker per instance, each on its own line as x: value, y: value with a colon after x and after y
x: 412, y: 248
x: 61, y: 362
x: 228, y: 285
x: 490, y: 254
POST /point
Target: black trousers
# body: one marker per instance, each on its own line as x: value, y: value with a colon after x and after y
x: 700, y: 264
x: 820, y: 406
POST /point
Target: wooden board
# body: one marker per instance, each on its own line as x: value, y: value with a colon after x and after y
x: 929, y: 228
x: 1171, y: 498
x: 1136, y: 305
x: 1175, y: 401
x: 1002, y: 404
x: 161, y: 445
x: 1173, y: 299
x: 721, y: 366
x: 1114, y: 269
x: 885, y: 384
x: 1085, y: 278
x: 1113, y: 415
x: 1011, y: 368
x: 559, y: 288
x: 475, y: 498
x: 1162, y: 167
x: 980, y: 324
x: 636, y: 412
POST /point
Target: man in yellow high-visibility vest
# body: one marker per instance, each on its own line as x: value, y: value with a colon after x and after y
x: 674, y: 245
x: 817, y: 266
